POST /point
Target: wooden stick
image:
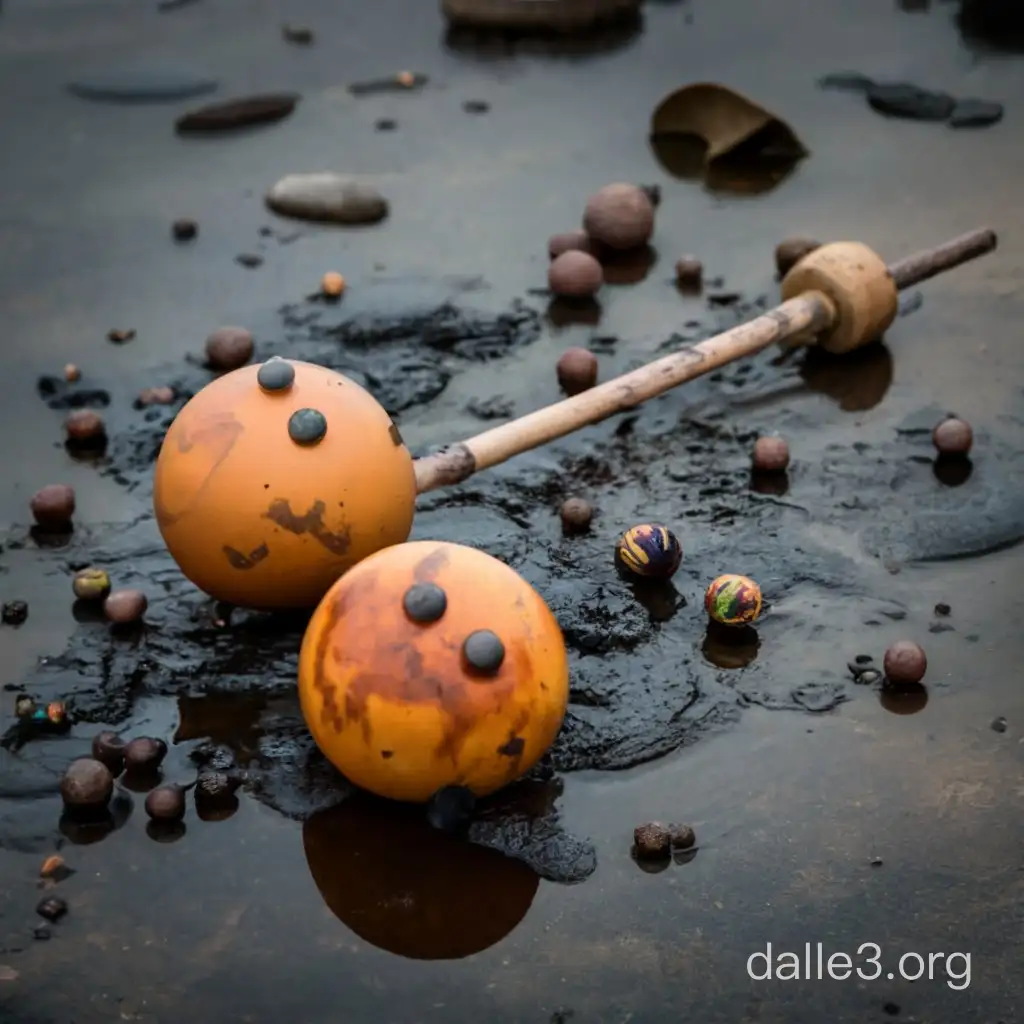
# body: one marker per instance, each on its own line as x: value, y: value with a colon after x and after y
x: 808, y: 314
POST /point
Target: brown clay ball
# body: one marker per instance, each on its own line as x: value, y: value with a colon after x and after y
x: 87, y: 785
x: 166, y: 803
x: 689, y: 272
x: 228, y: 348
x: 682, y: 837
x: 576, y: 515
x: 953, y: 437
x: 575, y: 275
x: 91, y: 585
x: 72, y: 373
x: 144, y: 754
x: 161, y: 395
x: 905, y: 663
x: 53, y: 506
x: 84, y: 426
x: 125, y: 606
x: 790, y: 251
x: 569, y: 241
x: 108, y: 749
x: 771, y: 455
x: 619, y: 216
x: 577, y: 370
x: 652, y: 841
x: 213, y: 788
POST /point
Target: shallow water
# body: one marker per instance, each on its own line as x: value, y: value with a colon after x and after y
x: 232, y: 922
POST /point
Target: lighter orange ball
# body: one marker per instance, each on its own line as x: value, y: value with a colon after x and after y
x: 430, y: 665
x: 332, y: 284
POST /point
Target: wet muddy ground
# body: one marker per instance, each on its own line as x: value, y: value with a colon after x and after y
x: 825, y: 810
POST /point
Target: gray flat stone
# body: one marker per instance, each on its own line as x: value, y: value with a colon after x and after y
x: 143, y: 84
x: 325, y: 196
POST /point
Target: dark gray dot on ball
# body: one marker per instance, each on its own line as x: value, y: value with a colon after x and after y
x: 307, y: 426
x: 275, y: 375
x: 484, y: 652
x: 425, y: 602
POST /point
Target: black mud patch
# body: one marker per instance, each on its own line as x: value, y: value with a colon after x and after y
x: 647, y: 676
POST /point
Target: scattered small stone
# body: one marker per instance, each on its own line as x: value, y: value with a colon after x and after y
x: 327, y: 197
x: 851, y: 81
x: 771, y: 455
x: 162, y: 395
x: 14, y: 613
x: 689, y: 273
x: 52, y: 908
x: 215, y: 788
x: 249, y: 260
x: 864, y: 659
x: 298, y: 36
x: 790, y: 251
x: 869, y: 677
x: 42, y: 933
x: 385, y: 124
x: 332, y: 284
x: 166, y: 803
x: 975, y: 114
x: 999, y: 724
x: 577, y: 370
x: 119, y: 337
x: 575, y: 274
x: 55, y: 869
x: 901, y: 99
x: 108, y: 748
x: 90, y: 584
x: 905, y: 663
x: 85, y: 428
x: 72, y: 373
x: 576, y: 515
x: 144, y: 754
x: 652, y: 842
x: 53, y: 506
x: 940, y: 627
x: 184, y: 230
x: 125, y: 606
x: 240, y: 113
x: 943, y: 609
x: 143, y: 84
x: 620, y: 216
x: 681, y: 837
x: 476, y: 107
x: 87, y: 785
x: 953, y: 437
x: 876, y: 862
x: 228, y: 348
x: 569, y: 241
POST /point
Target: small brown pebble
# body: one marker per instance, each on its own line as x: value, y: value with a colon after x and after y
x: 161, y: 395
x: 184, y: 230
x: 682, y: 837
x: 144, y: 754
x: 13, y: 613
x: 87, y: 785
x: 569, y: 241
x: 577, y: 370
x: 619, y: 216
x: 166, y: 803
x: 53, y: 908
x: 249, y: 260
x: 652, y: 842
x: 905, y: 663
x: 119, y: 337
x: 576, y: 515
x: 298, y: 36
x: 575, y: 275
x: 332, y: 284
x: 953, y: 437
x: 90, y: 585
x: 108, y: 749
x: 771, y: 455
x: 125, y: 606
x: 55, y: 868
x: 84, y: 427
x: 790, y: 251
x: 215, y: 787
x: 689, y: 272
x: 72, y: 373
x: 385, y: 124
x: 228, y: 348
x: 999, y: 724
x: 942, y: 608
x: 53, y: 506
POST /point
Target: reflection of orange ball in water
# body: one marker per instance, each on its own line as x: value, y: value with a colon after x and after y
x: 409, y: 889
x: 432, y: 665
x: 275, y: 479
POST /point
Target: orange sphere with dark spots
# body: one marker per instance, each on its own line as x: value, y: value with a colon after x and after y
x: 432, y: 665
x: 275, y: 479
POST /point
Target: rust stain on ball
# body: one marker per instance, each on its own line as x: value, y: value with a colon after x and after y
x: 400, y: 706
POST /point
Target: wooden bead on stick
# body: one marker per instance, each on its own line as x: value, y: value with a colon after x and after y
x: 857, y: 282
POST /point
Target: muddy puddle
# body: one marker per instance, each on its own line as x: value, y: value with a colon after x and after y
x: 825, y: 808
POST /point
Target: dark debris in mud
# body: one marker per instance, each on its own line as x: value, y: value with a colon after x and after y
x: 647, y: 677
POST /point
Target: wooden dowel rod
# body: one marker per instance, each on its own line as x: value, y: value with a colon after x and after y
x: 807, y: 314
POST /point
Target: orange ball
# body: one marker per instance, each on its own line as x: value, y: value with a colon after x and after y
x: 332, y: 284
x: 432, y: 665
x: 275, y: 479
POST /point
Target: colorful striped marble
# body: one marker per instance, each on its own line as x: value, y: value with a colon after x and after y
x: 733, y: 600
x: 649, y: 550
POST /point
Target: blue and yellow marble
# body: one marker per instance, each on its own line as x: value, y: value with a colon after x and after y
x: 649, y: 550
